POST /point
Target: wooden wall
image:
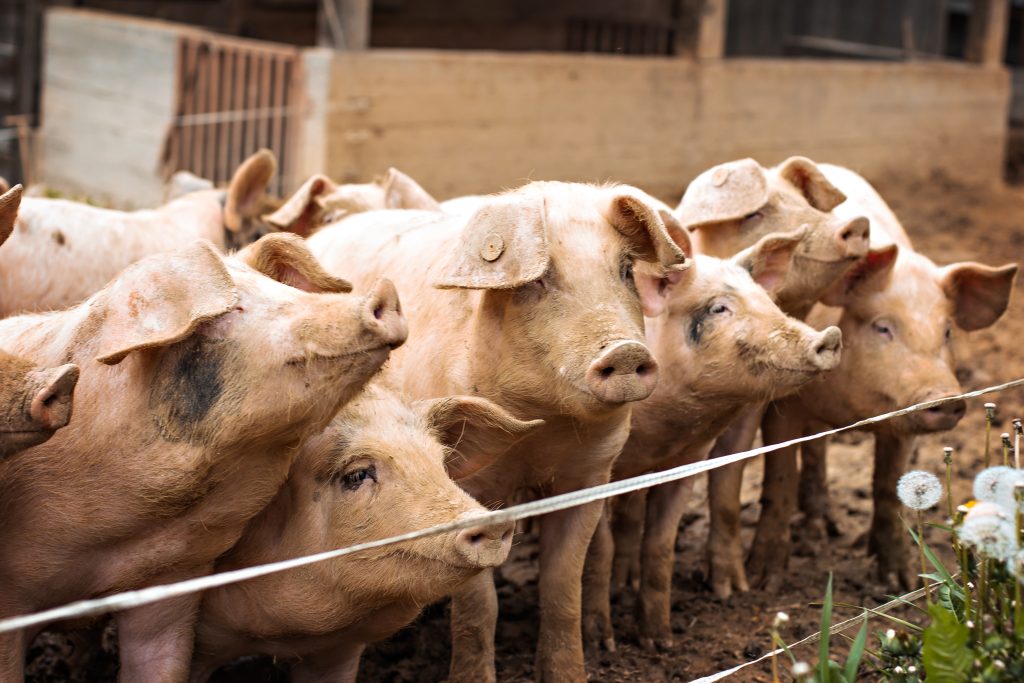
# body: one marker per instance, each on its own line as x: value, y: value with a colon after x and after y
x: 477, y: 122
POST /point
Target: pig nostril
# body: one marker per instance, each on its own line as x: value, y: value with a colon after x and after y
x: 378, y: 312
x: 643, y: 370
x: 607, y: 372
x: 476, y: 538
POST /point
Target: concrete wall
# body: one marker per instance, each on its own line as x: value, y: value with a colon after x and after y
x: 477, y: 122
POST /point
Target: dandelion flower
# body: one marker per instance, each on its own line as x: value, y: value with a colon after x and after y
x: 801, y: 669
x: 989, y: 531
x: 987, y: 482
x: 1015, y: 564
x: 919, y: 490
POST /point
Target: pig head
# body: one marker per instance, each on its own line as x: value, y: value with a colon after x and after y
x: 731, y: 206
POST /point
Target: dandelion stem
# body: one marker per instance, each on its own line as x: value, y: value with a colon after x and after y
x: 964, y: 557
x: 990, y: 415
x: 924, y: 565
x: 1017, y: 429
x: 948, y: 459
x: 1006, y: 449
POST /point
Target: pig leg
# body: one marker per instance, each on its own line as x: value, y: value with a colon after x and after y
x: 597, y: 611
x: 155, y: 641
x: 627, y: 530
x: 665, y: 507
x: 725, y: 549
x: 474, y: 620
x: 564, y: 537
x: 819, y: 524
x: 339, y: 665
x: 887, y: 538
x: 769, y: 553
x: 12, y: 654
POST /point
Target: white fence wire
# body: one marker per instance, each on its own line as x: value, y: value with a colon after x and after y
x: 146, y: 596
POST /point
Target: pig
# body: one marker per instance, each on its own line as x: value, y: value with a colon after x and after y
x: 722, y: 343
x: 729, y: 207
x: 902, y: 316
x: 321, y: 201
x: 34, y: 402
x: 378, y: 470
x: 529, y: 302
x: 63, y: 251
x: 201, y: 376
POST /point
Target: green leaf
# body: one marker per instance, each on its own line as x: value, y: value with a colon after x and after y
x: 826, y: 625
x: 947, y: 578
x: 856, y: 652
x: 947, y: 659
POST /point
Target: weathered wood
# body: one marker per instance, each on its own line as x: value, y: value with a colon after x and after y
x: 702, y: 29
x: 986, y: 31
x: 344, y: 24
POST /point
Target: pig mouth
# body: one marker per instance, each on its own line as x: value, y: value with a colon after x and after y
x: 826, y: 261
x: 302, y: 361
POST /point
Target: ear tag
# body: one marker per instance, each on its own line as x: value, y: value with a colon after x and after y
x: 719, y: 177
x: 492, y: 248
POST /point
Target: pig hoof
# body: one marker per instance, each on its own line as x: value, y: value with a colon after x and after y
x: 647, y: 644
x: 608, y: 644
x: 722, y: 589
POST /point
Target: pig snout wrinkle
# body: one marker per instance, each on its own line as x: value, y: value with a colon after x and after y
x: 826, y: 349
x: 941, y: 417
x: 854, y: 238
x: 485, y: 546
x: 382, y: 314
x: 625, y: 371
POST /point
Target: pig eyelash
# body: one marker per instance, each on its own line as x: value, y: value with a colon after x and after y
x: 883, y: 329
x: 353, y: 479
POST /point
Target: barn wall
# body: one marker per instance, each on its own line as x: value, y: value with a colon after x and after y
x: 476, y: 122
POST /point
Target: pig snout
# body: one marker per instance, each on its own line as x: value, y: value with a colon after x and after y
x: 51, y: 406
x: 854, y: 238
x: 825, y: 350
x: 485, y: 545
x: 382, y: 314
x: 941, y: 417
x: 625, y: 371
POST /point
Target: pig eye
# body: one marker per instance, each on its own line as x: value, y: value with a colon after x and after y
x: 949, y: 333
x: 626, y: 272
x: 753, y: 217
x: 883, y: 328
x: 718, y: 309
x: 353, y: 479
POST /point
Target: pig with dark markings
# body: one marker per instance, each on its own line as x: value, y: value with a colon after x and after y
x: 729, y: 207
x: 378, y: 470
x: 201, y: 378
x: 721, y: 343
x: 63, y: 251
x: 537, y: 311
x: 901, y: 316
x: 34, y: 402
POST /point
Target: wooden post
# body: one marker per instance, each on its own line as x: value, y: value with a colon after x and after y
x: 701, y: 29
x: 986, y: 32
x: 344, y: 24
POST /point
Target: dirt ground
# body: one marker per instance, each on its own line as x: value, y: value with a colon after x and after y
x: 948, y: 222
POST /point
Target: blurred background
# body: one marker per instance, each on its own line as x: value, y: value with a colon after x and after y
x: 107, y: 98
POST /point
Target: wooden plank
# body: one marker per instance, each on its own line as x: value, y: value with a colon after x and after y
x: 702, y: 32
x: 344, y: 24
x: 986, y: 32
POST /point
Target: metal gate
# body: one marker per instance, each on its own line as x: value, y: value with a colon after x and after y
x: 234, y: 97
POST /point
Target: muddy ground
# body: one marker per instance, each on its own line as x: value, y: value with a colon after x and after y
x: 947, y: 221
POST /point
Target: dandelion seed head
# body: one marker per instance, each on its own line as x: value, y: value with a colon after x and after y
x: 890, y: 634
x: 919, y: 490
x: 781, y: 618
x: 987, y: 482
x: 1005, y: 488
x: 801, y: 669
x: 1015, y: 564
x: 990, y: 533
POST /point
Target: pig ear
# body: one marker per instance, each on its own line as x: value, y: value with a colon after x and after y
x: 248, y: 188
x: 979, y: 293
x: 475, y: 430
x: 866, y: 275
x: 10, y: 201
x: 726, y: 192
x: 769, y: 260
x: 503, y: 245
x: 654, y: 289
x: 161, y: 300
x: 50, y: 408
x: 302, y: 213
x: 402, y: 192
x: 4, y: 185
x: 812, y: 183
x: 654, y: 233
x: 284, y: 257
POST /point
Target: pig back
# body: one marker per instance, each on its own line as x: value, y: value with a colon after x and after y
x: 863, y: 200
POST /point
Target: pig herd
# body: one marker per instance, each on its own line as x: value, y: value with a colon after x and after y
x: 196, y: 388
